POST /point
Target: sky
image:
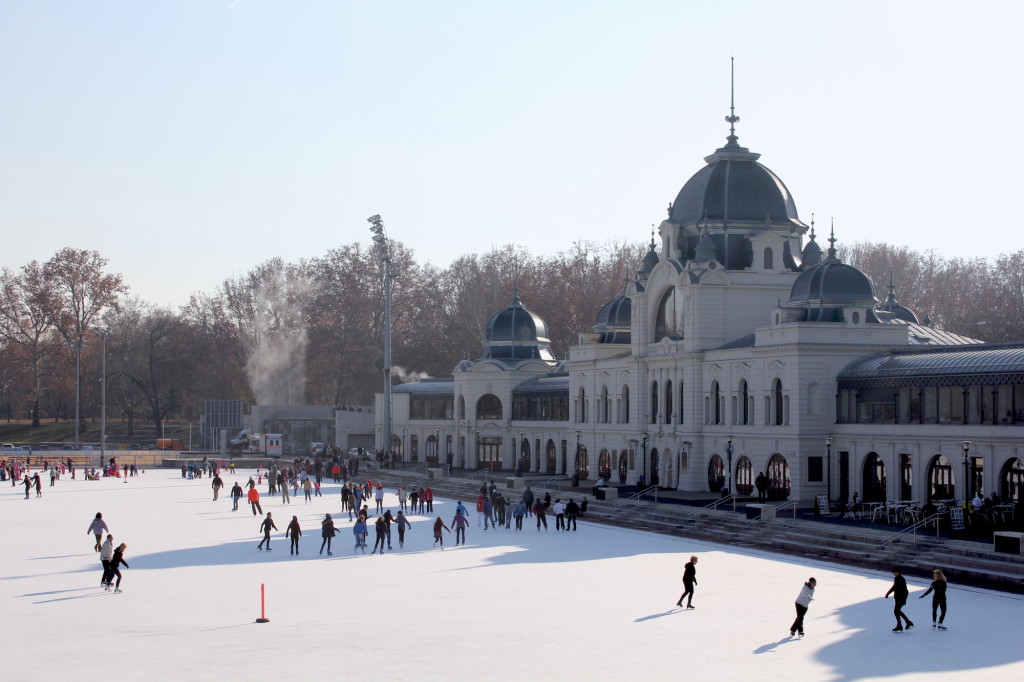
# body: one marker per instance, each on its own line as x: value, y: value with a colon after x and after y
x: 594, y: 604
x: 188, y: 141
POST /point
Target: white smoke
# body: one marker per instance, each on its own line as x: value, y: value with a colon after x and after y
x: 277, y: 347
x: 400, y: 375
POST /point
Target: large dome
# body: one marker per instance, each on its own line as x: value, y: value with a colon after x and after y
x: 614, y: 321
x: 734, y: 188
x: 516, y: 333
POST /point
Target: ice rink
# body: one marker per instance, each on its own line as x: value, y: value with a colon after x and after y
x: 594, y: 604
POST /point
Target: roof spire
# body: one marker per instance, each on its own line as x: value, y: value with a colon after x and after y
x: 732, y: 119
x: 832, y: 243
x: 652, y: 237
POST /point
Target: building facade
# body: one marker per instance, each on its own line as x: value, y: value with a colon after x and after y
x: 740, y: 347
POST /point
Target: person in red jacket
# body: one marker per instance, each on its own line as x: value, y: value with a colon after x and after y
x: 430, y: 499
x: 254, y: 500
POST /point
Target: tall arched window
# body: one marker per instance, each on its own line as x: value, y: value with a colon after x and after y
x: 744, y: 402
x: 682, y: 404
x: 873, y: 484
x: 667, y: 416
x: 778, y: 477
x: 769, y: 260
x: 716, y: 474
x: 462, y: 407
x: 581, y: 406
x: 488, y: 407
x: 940, y: 479
x: 716, y: 403
x: 669, y: 316
x: 654, y: 402
x: 603, y: 416
x: 625, y: 405
x: 1012, y: 480
x: 778, y: 413
x: 744, y: 480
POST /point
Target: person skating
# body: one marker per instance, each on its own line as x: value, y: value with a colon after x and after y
x: 236, y: 494
x: 267, y: 524
x: 689, y: 582
x: 803, y: 601
x: 938, y: 591
x: 403, y: 524
x: 216, y: 484
x: 899, y: 593
x: 541, y: 512
x: 519, y: 511
x: 294, y: 532
x: 327, y: 532
x: 359, y: 531
x: 307, y: 489
x: 388, y: 520
x: 572, y: 510
x: 254, y: 501
x: 97, y: 528
x: 438, y: 535
x: 115, y: 566
x: 380, y: 527
x: 559, y: 510
x: 459, y: 523
x: 106, y: 554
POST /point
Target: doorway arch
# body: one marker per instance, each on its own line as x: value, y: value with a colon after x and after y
x: 716, y: 474
x: 873, y: 480
x: 778, y: 478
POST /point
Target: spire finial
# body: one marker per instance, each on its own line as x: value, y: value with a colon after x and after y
x: 515, y: 293
x: 832, y: 242
x: 732, y: 119
x: 812, y: 227
x: 652, y: 237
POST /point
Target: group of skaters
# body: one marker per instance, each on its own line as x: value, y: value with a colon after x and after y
x: 111, y: 557
x: 803, y: 600
x: 360, y: 530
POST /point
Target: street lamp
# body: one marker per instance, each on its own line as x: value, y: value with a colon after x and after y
x: 966, y: 445
x: 643, y: 471
x: 828, y: 457
x: 728, y: 454
x: 103, y: 332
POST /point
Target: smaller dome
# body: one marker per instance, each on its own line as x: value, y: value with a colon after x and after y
x: 812, y: 252
x: 515, y: 334
x: 706, y: 250
x: 830, y: 285
x: 614, y: 321
x: 891, y: 308
x: 649, y: 261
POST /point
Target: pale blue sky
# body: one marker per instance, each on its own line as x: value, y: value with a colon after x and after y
x: 187, y: 141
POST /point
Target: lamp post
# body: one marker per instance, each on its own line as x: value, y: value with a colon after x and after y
x: 728, y: 455
x: 828, y: 458
x: 643, y: 471
x: 103, y: 332
x: 966, y: 445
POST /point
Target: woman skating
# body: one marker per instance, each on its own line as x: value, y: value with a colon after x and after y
x: 97, y: 528
x: 438, y: 535
x: 294, y: 532
x: 938, y: 592
x: 689, y: 582
x: 459, y: 523
x: 327, y: 532
x: 899, y: 593
x: 115, y: 566
x: 803, y: 600
x: 106, y: 554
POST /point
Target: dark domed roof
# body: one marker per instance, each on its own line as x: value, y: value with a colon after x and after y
x: 892, y: 309
x: 733, y: 187
x: 832, y: 284
x: 614, y: 320
x: 516, y: 334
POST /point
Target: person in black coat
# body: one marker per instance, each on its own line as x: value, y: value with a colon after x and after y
x: 328, y: 531
x: 899, y: 593
x: 572, y: 510
x: 294, y: 532
x: 938, y: 592
x: 267, y: 524
x: 115, y: 566
x: 689, y: 582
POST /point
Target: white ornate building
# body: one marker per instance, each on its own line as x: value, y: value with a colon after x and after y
x: 740, y: 347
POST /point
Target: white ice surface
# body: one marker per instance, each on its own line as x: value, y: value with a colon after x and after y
x: 533, y: 605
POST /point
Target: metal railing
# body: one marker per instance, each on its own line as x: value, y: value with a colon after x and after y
x: 635, y: 497
x: 912, y: 530
x: 774, y: 513
x: 708, y: 508
x: 547, y: 483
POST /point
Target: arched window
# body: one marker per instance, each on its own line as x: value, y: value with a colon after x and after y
x: 488, y: 407
x: 581, y: 406
x: 778, y: 412
x: 778, y: 478
x: 604, y: 465
x: 625, y: 405
x: 744, y: 481
x: 654, y: 402
x: 744, y: 402
x: 716, y: 403
x: 682, y: 404
x: 623, y: 466
x: 582, y: 463
x: 769, y: 260
x: 462, y: 407
x: 667, y: 322
x: 940, y: 479
x: 655, y: 467
x: 716, y: 474
x: 551, y: 458
x: 667, y: 416
x: 1011, y: 481
x: 874, y: 479
x: 603, y: 416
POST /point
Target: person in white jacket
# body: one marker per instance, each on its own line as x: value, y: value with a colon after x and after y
x: 98, y: 527
x: 106, y: 554
x: 803, y: 600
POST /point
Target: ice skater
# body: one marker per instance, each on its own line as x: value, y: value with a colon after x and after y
x: 254, y: 500
x: 689, y: 583
x: 381, y: 529
x: 938, y: 592
x: 359, y: 531
x: 803, y: 600
x: 899, y: 593
x: 267, y: 524
x: 115, y: 567
x: 438, y: 535
x: 236, y: 494
x: 327, y: 532
x: 459, y: 523
x: 294, y: 532
x: 106, y: 554
x: 403, y: 524
x: 97, y: 528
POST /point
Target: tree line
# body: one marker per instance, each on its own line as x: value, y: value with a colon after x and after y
x: 311, y: 332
